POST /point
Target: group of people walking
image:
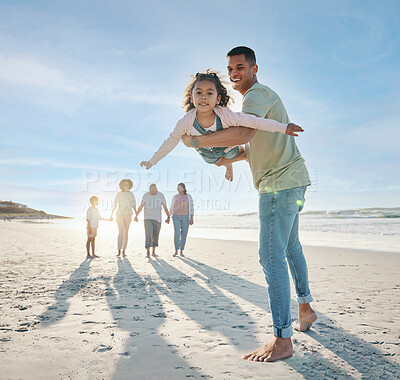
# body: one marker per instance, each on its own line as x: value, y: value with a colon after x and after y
x: 181, y: 210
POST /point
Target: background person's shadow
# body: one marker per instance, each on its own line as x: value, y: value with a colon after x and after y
x: 369, y: 361
x: 134, y: 300
x: 249, y: 291
x: 211, y: 309
x: 68, y: 289
x: 136, y: 308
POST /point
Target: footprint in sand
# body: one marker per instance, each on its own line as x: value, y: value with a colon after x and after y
x: 104, y: 348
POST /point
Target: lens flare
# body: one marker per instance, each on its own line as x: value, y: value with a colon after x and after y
x: 300, y: 202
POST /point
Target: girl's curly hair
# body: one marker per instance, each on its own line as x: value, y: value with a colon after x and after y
x: 212, y: 76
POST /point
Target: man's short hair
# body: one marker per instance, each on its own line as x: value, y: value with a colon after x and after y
x: 249, y: 54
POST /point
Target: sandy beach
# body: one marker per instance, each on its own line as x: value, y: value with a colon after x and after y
x: 63, y: 316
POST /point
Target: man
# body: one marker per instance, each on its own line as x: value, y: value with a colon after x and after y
x: 152, y: 202
x: 280, y: 176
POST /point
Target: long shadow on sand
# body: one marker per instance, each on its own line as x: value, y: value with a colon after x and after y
x: 134, y: 299
x: 364, y: 357
x: 69, y: 288
x: 136, y: 308
x: 211, y: 309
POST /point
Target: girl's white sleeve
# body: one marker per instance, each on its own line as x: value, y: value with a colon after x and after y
x: 169, y: 143
x: 251, y: 121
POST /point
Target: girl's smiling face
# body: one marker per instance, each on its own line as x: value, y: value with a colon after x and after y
x: 205, y: 96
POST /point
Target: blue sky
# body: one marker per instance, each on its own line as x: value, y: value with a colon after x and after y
x: 90, y: 89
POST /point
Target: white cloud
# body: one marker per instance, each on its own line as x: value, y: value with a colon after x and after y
x: 96, y: 83
x: 62, y: 164
x: 374, y: 137
x: 33, y: 73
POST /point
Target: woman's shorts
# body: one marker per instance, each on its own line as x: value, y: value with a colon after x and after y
x: 212, y: 155
x: 93, y: 232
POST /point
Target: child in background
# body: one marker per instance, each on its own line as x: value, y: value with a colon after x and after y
x: 93, y: 217
x: 206, y: 100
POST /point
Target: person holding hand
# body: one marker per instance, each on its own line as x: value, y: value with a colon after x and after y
x: 182, y: 216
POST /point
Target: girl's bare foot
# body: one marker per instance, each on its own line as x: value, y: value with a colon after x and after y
x: 306, y: 317
x: 275, y: 349
x: 229, y: 172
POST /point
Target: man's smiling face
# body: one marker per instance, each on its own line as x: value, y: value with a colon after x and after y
x: 241, y: 74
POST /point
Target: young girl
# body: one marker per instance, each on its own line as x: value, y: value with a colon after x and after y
x: 93, y: 217
x: 205, y: 103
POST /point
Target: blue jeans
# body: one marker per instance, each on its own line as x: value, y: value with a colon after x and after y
x: 181, y: 228
x: 279, y: 245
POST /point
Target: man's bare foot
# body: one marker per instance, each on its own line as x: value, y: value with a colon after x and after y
x: 95, y: 256
x: 229, y: 173
x: 306, y: 317
x: 275, y: 349
x: 153, y: 254
x: 175, y: 254
x: 88, y: 256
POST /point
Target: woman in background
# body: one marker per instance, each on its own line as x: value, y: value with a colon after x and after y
x: 126, y: 202
x: 182, y: 216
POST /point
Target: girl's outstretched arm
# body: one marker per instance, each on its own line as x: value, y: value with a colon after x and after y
x: 168, y: 144
x: 236, y: 119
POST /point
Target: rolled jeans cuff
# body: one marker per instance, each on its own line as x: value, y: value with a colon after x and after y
x: 304, y: 299
x: 285, y: 332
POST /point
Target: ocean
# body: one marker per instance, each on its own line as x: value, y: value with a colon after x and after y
x: 370, y: 228
x: 376, y: 229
